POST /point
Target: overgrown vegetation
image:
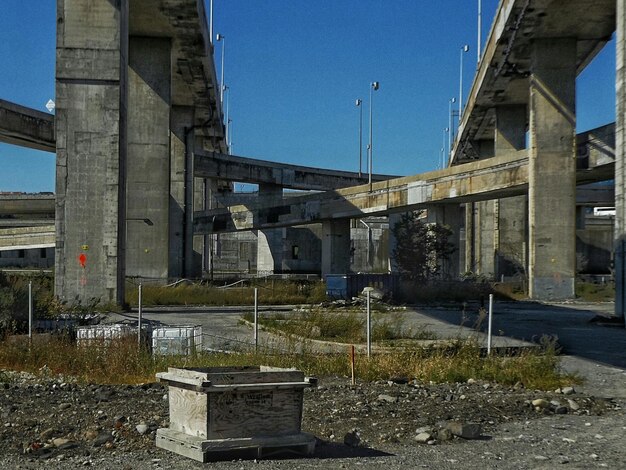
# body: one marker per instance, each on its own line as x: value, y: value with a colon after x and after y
x: 595, y: 292
x: 125, y: 363
x: 14, y: 302
x: 270, y: 292
x: 420, y: 247
x: 341, y: 327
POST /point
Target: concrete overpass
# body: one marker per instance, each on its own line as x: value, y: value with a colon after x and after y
x: 118, y: 62
x: 505, y: 73
x: 26, y: 127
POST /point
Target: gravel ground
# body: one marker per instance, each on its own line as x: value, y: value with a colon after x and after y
x: 53, y: 423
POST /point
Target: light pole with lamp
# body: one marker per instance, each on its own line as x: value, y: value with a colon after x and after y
x: 464, y: 49
x: 211, y: 21
x: 480, y: 25
x: 358, y: 103
x: 221, y: 38
x: 374, y: 86
x: 443, y: 147
x: 230, y: 137
x: 227, y: 91
x: 451, y: 101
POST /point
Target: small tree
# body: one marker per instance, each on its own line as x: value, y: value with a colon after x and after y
x: 420, y: 248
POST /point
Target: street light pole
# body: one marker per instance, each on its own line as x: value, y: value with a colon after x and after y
x: 451, y: 101
x: 358, y: 105
x: 222, y: 38
x: 227, y: 91
x: 211, y: 21
x: 443, y: 147
x: 374, y: 86
x: 464, y: 49
x: 480, y: 25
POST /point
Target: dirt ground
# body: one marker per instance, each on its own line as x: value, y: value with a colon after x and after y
x: 51, y: 422
x: 46, y: 422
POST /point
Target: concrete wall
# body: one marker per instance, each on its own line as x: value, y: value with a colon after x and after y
x: 91, y: 115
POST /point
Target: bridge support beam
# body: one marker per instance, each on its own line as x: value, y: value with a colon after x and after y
x: 148, y: 163
x: 510, y: 234
x: 91, y: 136
x: 620, y: 165
x: 181, y: 120
x: 552, y: 157
x: 336, y: 247
x: 270, y: 247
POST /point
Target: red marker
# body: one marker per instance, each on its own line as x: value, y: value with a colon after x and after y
x: 82, y: 259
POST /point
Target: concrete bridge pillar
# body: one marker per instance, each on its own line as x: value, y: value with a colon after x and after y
x: 148, y: 161
x: 336, y: 247
x: 182, y: 119
x: 91, y: 135
x: 620, y: 164
x: 552, y: 159
x: 510, y: 234
x: 270, y: 247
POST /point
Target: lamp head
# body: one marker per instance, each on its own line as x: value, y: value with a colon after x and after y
x: 358, y: 102
x: 465, y: 48
x: 375, y: 85
x: 219, y: 37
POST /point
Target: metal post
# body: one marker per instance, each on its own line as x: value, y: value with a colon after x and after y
x: 369, y: 326
x: 30, y: 310
x: 352, y: 365
x: 489, y: 323
x: 374, y: 86
x: 227, y: 91
x: 464, y: 49
x: 451, y: 101
x: 139, y: 316
x: 256, y: 319
x: 222, y: 38
x: 211, y: 21
x: 443, y: 148
x: 480, y: 25
x: 358, y: 104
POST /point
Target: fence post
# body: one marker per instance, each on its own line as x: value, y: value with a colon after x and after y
x: 352, y: 360
x: 369, y: 326
x: 139, y: 319
x: 30, y: 310
x: 489, y: 324
x: 256, y: 319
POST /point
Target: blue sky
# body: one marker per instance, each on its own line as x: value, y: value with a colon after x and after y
x: 295, y: 68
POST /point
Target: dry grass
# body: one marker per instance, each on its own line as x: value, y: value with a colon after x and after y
x: 275, y: 293
x: 124, y: 362
x: 347, y: 326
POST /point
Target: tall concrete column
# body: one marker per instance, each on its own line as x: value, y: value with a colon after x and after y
x: 181, y: 119
x: 484, y: 237
x: 620, y: 164
x: 91, y: 135
x: 336, y: 247
x: 270, y: 246
x: 470, y: 232
x: 148, y: 167
x: 511, y: 229
x: 204, y: 246
x: 393, y: 242
x: 552, y: 158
